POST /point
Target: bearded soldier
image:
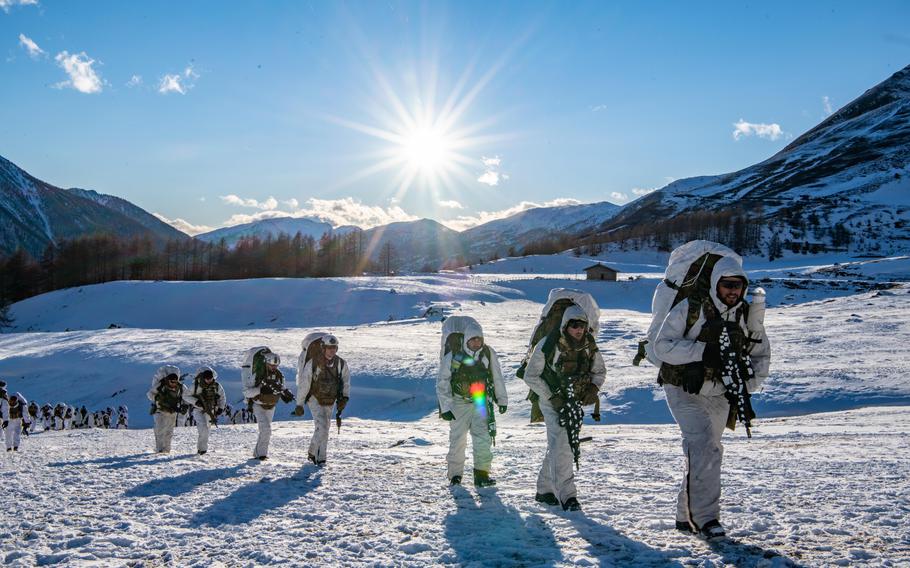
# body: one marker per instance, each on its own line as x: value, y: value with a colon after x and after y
x: 207, y: 401
x: 565, y: 370
x: 323, y: 382
x: 713, y: 353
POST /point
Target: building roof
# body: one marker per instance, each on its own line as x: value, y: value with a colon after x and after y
x: 599, y: 265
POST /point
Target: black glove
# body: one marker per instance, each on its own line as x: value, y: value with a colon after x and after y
x: 287, y: 396
x: 711, y: 357
x: 589, y: 396
x: 5, y: 423
x: 711, y: 330
x: 342, y: 402
x: 502, y: 408
x: 693, y: 377
x: 448, y: 416
x: 298, y: 410
x: 199, y: 404
x: 557, y: 402
x: 219, y: 411
x: 266, y: 389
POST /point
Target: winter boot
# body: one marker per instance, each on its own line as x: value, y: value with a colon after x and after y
x: 712, y: 530
x: 482, y: 479
x: 546, y: 498
x: 311, y: 457
x: 262, y: 458
x: 201, y: 452
x: 571, y: 504
x: 684, y: 526
x: 456, y: 480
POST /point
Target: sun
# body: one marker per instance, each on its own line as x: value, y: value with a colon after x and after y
x: 427, y: 150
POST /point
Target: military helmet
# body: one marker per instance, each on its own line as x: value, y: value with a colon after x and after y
x: 272, y: 359
x: 329, y: 340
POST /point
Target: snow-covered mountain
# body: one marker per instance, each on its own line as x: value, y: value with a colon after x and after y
x: 498, y: 236
x: 266, y: 228
x: 413, y: 245
x: 851, y: 170
x: 34, y: 214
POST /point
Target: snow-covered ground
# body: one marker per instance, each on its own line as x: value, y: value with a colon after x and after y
x: 820, y: 490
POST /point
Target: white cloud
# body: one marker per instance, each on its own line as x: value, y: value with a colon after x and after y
x: 268, y: 204
x: 292, y: 203
x: 5, y: 5
x: 134, y: 81
x: 639, y: 191
x: 598, y: 108
x: 770, y: 131
x: 826, y: 103
x: 619, y: 196
x: 29, y: 44
x: 79, y: 67
x: 178, y: 82
x: 490, y: 178
x: 452, y: 204
x: 185, y: 226
x: 337, y: 212
x: 466, y: 222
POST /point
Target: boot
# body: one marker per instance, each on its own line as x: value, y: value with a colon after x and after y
x: 571, y: 504
x: 311, y: 457
x: 547, y: 498
x: 482, y: 479
x: 456, y: 480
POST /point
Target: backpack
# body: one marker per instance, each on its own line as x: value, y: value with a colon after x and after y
x: 253, y: 365
x: 311, y: 348
x: 551, y: 318
x: 688, y: 277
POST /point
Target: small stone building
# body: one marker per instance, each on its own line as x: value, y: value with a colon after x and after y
x: 601, y: 272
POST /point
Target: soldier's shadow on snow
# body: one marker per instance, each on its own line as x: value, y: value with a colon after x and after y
x: 183, y: 483
x: 742, y: 555
x: 612, y: 548
x: 258, y: 497
x: 493, y: 533
x: 120, y: 462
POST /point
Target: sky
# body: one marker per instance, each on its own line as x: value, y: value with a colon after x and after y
x: 211, y: 114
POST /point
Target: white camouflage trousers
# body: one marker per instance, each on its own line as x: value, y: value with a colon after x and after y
x: 203, y: 428
x: 164, y: 430
x: 264, y: 419
x: 13, y: 432
x: 701, y: 420
x: 322, y: 420
x: 468, y: 419
x: 557, y: 474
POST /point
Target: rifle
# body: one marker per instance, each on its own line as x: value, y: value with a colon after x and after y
x: 737, y: 369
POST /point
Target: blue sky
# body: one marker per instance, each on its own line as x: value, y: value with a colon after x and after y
x: 214, y: 113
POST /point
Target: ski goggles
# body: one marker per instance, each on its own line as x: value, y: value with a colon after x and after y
x: 732, y: 284
x: 576, y: 324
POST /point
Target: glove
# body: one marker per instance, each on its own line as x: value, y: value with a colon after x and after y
x: 502, y: 409
x: 711, y: 330
x: 589, y: 396
x: 199, y: 404
x: 298, y: 410
x: 711, y: 357
x: 286, y: 396
x: 448, y: 416
x: 266, y: 389
x: 5, y: 424
x: 694, y: 377
x: 557, y: 402
x: 342, y: 402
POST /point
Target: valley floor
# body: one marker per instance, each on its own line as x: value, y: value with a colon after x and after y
x: 798, y: 494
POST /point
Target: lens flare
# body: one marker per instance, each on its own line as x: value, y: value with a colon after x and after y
x: 479, y: 396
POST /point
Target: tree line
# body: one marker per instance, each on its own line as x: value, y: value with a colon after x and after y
x: 103, y: 258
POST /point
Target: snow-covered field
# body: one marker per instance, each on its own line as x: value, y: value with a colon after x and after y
x: 820, y: 490
x: 809, y: 489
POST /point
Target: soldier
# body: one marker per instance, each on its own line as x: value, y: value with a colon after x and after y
x: 14, y: 413
x: 263, y: 386
x: 166, y: 395
x: 323, y: 382
x: 207, y: 400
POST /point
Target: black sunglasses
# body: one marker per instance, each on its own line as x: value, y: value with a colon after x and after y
x: 575, y: 324
x: 731, y: 284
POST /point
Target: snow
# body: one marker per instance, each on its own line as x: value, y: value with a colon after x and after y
x: 823, y: 481
x: 796, y: 494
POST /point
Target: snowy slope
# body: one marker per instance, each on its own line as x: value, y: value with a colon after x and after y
x: 797, y: 494
x: 815, y: 367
